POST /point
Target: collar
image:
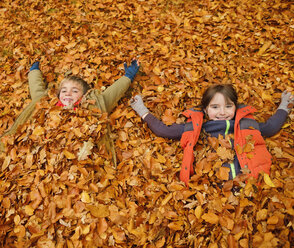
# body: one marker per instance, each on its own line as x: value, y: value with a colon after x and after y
x: 75, y: 105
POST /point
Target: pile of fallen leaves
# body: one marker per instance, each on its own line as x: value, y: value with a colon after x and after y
x: 58, y: 185
x: 212, y: 153
x: 59, y: 188
x: 53, y: 173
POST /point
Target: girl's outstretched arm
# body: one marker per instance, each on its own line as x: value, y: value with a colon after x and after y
x: 174, y: 131
x: 274, y: 124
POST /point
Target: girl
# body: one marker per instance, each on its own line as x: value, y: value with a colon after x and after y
x: 71, y: 91
x: 225, y: 116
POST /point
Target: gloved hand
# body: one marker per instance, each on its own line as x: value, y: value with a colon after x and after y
x: 138, y: 105
x: 35, y: 66
x: 287, y: 101
x: 132, y: 70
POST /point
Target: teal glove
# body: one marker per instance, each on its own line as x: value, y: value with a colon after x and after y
x: 35, y: 66
x: 132, y: 70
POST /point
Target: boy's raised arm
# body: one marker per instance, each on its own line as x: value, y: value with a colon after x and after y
x: 116, y: 91
x: 37, y: 85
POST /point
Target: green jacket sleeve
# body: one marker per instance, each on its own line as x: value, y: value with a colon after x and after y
x: 37, y: 90
x: 115, y: 92
x: 37, y: 85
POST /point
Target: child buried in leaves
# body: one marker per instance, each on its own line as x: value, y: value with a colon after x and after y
x: 234, y: 137
x: 48, y: 124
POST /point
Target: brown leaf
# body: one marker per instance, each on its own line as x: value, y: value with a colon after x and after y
x: 210, y: 218
x: 100, y: 210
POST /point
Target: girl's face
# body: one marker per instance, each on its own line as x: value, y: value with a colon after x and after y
x: 70, y: 93
x: 220, y: 109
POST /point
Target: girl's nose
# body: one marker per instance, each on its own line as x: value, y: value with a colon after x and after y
x: 222, y: 111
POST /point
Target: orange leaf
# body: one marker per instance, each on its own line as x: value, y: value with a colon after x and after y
x: 210, y: 218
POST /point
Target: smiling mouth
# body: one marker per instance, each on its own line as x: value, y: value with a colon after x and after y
x: 222, y: 118
x: 67, y: 99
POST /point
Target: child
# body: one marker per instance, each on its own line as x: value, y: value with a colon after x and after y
x: 71, y: 92
x: 225, y: 116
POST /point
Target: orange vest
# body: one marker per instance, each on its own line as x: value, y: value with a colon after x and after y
x: 257, y: 160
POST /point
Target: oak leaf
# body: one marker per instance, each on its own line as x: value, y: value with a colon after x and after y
x: 85, y: 150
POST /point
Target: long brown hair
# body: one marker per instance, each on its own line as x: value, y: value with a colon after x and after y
x: 227, y: 90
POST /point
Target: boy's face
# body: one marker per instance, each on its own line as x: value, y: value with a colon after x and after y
x: 70, y: 93
x: 220, y: 109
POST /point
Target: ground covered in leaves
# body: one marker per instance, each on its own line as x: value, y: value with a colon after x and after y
x: 59, y: 188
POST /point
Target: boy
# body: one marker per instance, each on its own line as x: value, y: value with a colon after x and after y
x: 71, y: 91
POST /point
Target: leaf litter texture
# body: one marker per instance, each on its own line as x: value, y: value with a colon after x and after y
x: 51, y: 198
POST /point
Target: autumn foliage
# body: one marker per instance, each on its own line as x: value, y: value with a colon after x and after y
x: 59, y: 186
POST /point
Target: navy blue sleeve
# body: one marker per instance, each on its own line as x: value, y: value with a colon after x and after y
x: 173, y: 131
x: 274, y: 124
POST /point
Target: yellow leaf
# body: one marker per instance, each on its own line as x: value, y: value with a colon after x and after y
x: 273, y: 220
x: 167, y: 38
x: 167, y: 198
x: 160, y: 158
x: 99, y: 211
x: 290, y: 211
x: 261, y: 214
x: 265, y: 46
x: 210, y: 218
x: 6, y: 162
x: 239, y: 149
x: 29, y: 210
x: 20, y: 231
x: 86, y: 230
x: 160, y: 89
x: 38, y: 131
x: 286, y: 125
x: 16, y: 219
x: 85, y: 197
x: 177, y: 226
x: 156, y: 70
x: 152, y: 218
x: 266, y: 96
x: 268, y: 180
x: 198, y: 211
x: 69, y: 155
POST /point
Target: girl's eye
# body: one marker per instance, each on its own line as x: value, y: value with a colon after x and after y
x: 229, y: 106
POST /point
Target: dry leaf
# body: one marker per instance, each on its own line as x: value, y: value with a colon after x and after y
x: 85, y: 150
